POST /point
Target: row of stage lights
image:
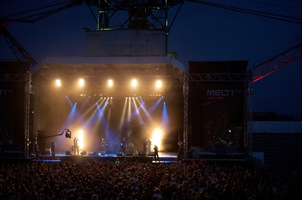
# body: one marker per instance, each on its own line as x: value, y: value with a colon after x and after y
x: 84, y: 95
x: 110, y: 83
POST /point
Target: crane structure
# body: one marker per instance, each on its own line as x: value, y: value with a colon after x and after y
x: 275, y: 63
x: 109, y: 14
x: 19, y: 51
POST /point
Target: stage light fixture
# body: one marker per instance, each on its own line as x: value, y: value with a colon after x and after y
x: 134, y: 83
x: 157, y: 137
x: 58, y: 83
x: 110, y: 83
x: 81, y: 138
x: 81, y: 82
x: 158, y: 84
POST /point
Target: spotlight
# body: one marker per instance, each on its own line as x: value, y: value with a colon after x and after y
x: 80, y: 135
x: 81, y: 82
x: 110, y: 83
x: 134, y: 83
x: 157, y: 137
x: 58, y: 83
x: 158, y: 84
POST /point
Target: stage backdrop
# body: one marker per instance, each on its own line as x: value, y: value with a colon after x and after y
x: 217, y: 109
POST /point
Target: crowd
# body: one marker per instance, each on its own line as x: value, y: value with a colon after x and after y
x: 136, y: 180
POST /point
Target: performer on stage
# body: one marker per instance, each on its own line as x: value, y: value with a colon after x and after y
x: 76, y: 146
x: 103, y: 146
x: 123, y: 145
x: 53, y: 149
x: 156, y: 157
x: 180, y: 151
x: 148, y: 146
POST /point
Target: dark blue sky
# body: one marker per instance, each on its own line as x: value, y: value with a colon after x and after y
x: 200, y: 33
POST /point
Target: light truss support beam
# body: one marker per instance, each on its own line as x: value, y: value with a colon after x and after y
x: 275, y: 63
x: 186, y: 117
x: 28, y: 90
x: 217, y: 77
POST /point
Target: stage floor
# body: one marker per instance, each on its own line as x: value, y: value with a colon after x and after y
x: 164, y: 157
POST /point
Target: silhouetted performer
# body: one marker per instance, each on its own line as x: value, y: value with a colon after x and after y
x: 53, y: 149
x: 76, y: 146
x: 144, y: 148
x: 103, y: 145
x: 123, y: 145
x: 180, y: 151
x: 156, y: 157
x: 38, y: 152
x: 148, y: 146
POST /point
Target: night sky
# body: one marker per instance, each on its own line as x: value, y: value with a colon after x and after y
x: 200, y: 33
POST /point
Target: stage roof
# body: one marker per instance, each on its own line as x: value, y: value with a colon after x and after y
x: 96, y: 70
x: 90, y: 66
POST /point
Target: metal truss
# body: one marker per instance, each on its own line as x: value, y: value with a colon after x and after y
x: 217, y: 77
x: 186, y: 113
x: 36, y: 114
x: 28, y: 90
x: 277, y: 62
x: 143, y: 15
x: 249, y: 118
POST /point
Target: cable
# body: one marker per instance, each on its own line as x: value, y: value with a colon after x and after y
x: 30, y: 16
x: 276, y: 5
x: 252, y: 12
x: 36, y: 9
